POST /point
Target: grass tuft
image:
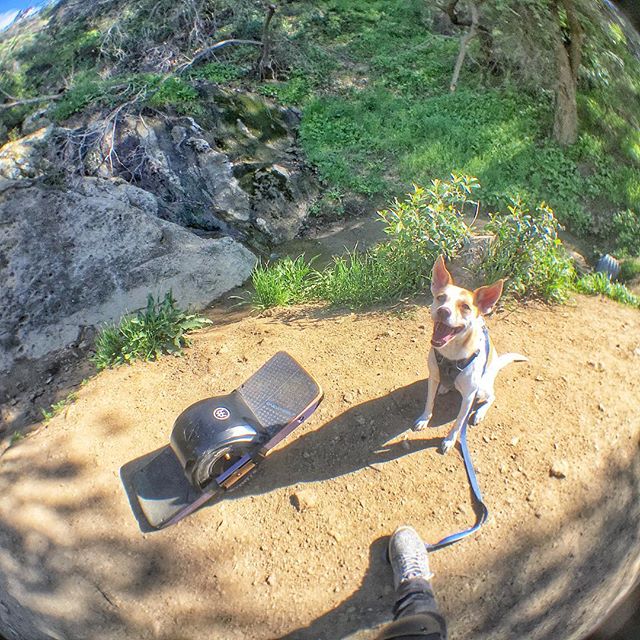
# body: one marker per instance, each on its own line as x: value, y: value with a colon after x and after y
x: 160, y: 328
x: 599, y: 284
x: 282, y: 283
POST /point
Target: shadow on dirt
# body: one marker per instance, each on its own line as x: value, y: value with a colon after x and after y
x: 534, y: 584
x: 352, y: 441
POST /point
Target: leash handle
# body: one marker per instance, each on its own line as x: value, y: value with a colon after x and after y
x: 477, y: 494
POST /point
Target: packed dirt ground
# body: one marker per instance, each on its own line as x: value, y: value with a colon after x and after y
x: 298, y: 550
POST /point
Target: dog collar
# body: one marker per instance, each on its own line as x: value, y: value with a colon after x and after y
x: 450, y: 369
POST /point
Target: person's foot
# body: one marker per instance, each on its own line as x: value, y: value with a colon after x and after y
x: 408, y: 556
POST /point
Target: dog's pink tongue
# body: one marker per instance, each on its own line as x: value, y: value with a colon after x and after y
x: 442, y: 333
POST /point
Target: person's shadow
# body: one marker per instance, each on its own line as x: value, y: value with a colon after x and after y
x: 353, y: 440
x: 370, y: 607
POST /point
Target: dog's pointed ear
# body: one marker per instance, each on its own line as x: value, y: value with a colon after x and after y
x: 440, y: 277
x: 486, y: 297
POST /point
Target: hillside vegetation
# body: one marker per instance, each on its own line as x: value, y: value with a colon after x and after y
x: 372, y: 78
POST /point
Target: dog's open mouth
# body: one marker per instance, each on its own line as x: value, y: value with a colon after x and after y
x: 442, y: 333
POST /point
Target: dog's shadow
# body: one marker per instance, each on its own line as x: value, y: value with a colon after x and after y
x: 362, y: 436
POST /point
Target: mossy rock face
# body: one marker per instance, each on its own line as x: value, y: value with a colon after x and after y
x: 230, y: 167
x: 253, y: 115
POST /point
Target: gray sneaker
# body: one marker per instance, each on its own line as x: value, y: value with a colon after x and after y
x: 408, y: 556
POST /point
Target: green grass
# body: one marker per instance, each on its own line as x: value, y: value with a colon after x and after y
x: 404, y: 125
x: 282, y: 283
x: 58, y: 407
x: 599, y: 284
x: 158, y: 329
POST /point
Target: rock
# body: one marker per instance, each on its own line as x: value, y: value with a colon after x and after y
x: 579, y: 262
x: 559, y: 469
x: 271, y: 580
x: 82, y: 257
x: 304, y: 499
x: 236, y: 171
x: 24, y: 158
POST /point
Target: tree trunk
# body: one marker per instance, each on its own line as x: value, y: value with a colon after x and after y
x: 565, y: 124
x: 568, y: 60
x: 464, y: 44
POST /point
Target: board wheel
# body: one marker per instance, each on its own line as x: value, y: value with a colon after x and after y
x: 216, y: 462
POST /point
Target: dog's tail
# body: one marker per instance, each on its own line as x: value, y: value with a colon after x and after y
x: 508, y: 358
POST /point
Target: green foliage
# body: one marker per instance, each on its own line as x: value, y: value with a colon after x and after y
x: 87, y: 89
x: 177, y: 93
x: 625, y: 227
x: 429, y: 222
x: 629, y: 270
x: 57, y: 407
x: 599, y: 284
x: 528, y: 252
x: 293, y: 91
x: 218, y: 72
x: 360, y: 279
x: 282, y: 283
x: 160, y: 328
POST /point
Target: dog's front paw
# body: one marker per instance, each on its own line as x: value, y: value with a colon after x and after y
x: 446, y: 444
x: 421, y: 423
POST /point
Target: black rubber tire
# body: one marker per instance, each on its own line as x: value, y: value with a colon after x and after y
x: 217, y: 461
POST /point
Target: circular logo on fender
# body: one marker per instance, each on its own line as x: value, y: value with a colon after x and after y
x: 221, y: 413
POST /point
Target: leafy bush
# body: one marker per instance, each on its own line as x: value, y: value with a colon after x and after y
x: 429, y: 222
x: 282, y: 283
x: 177, y: 93
x: 160, y: 328
x: 629, y: 270
x: 599, y: 284
x: 528, y: 252
x: 625, y: 228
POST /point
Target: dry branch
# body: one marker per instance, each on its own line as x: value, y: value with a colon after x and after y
x: 19, y: 103
x: 207, y: 53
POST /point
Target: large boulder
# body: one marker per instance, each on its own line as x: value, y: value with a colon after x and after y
x: 233, y: 167
x: 88, y: 254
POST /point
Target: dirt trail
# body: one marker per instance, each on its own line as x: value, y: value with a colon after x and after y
x: 547, y: 564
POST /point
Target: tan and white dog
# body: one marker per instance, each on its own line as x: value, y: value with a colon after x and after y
x: 462, y: 355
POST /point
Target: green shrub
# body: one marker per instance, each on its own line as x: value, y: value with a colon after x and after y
x: 629, y: 269
x: 599, y: 284
x: 528, y: 252
x: 160, y: 328
x: 421, y: 227
x: 177, y: 93
x: 87, y: 89
x: 625, y: 228
x: 282, y: 283
x: 218, y: 72
x: 427, y: 223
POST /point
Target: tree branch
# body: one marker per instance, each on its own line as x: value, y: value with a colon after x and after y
x: 206, y: 53
x: 19, y: 103
x: 263, y: 62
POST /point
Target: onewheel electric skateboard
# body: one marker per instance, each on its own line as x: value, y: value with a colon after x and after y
x: 219, y: 441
